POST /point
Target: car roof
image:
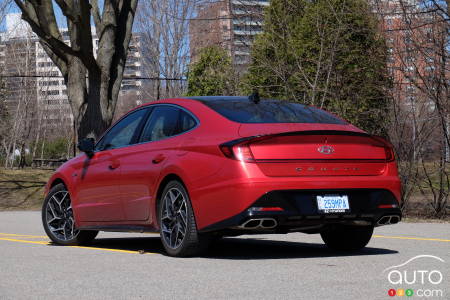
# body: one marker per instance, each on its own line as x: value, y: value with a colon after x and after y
x: 218, y: 98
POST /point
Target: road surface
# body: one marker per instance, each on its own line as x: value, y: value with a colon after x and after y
x: 292, y: 266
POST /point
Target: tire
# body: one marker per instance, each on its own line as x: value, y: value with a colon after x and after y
x: 346, y: 237
x: 178, y: 228
x: 58, y: 220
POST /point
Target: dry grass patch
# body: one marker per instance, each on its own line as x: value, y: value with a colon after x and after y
x: 22, y: 189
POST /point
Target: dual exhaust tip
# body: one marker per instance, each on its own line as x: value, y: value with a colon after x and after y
x: 270, y: 223
x: 388, y: 220
x: 263, y: 223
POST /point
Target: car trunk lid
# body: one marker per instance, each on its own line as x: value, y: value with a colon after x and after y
x: 318, y: 153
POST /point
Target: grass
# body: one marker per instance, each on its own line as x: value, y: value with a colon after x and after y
x: 22, y: 189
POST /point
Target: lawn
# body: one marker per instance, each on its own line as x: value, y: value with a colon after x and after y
x: 22, y: 189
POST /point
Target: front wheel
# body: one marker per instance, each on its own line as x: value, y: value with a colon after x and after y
x: 58, y: 220
x: 178, y: 229
x: 346, y: 237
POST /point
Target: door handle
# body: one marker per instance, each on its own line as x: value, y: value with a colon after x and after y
x: 159, y: 158
x: 114, y: 164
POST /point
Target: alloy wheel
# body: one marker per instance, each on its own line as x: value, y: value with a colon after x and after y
x: 59, y: 216
x: 174, y: 218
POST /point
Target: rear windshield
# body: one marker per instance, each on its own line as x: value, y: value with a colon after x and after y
x: 271, y: 111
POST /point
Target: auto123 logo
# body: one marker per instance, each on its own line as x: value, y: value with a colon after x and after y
x: 420, y: 276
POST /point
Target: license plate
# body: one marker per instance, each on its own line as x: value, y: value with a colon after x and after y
x: 333, y: 204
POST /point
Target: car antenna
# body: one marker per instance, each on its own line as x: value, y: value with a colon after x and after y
x: 254, y: 97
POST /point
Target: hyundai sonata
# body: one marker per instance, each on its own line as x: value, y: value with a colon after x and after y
x: 196, y: 169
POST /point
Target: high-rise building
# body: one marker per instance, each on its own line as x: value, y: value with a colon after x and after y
x: 416, y: 38
x: 229, y: 24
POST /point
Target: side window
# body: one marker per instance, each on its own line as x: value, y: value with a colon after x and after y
x: 162, y: 123
x: 186, y: 121
x: 123, y: 132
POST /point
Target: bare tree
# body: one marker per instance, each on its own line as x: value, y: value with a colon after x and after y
x: 417, y: 34
x: 20, y: 96
x: 93, y: 100
x: 164, y: 29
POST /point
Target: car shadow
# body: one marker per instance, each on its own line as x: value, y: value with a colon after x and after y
x: 253, y: 248
x: 240, y: 248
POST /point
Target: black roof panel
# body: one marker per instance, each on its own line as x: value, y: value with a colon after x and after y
x: 218, y: 98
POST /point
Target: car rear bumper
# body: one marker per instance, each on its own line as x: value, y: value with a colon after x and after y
x: 297, y: 210
x: 219, y: 198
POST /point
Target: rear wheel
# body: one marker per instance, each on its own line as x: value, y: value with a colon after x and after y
x: 345, y: 237
x: 178, y: 229
x: 58, y: 220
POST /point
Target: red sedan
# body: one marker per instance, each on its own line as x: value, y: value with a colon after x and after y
x: 200, y: 168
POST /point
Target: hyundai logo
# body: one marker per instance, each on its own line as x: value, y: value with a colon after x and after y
x: 325, y: 149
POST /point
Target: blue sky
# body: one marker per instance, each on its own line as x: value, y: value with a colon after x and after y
x: 59, y: 16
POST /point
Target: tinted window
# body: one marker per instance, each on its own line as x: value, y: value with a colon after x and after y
x: 123, y: 132
x: 162, y: 123
x: 271, y: 111
x: 186, y: 122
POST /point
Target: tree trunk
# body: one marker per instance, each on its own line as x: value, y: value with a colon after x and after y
x: 93, y: 81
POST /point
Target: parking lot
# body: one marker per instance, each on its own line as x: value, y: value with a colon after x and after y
x: 293, y: 266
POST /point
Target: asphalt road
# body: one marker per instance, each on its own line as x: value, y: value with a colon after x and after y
x: 293, y: 266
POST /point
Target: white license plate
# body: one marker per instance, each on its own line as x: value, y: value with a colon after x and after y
x: 333, y: 203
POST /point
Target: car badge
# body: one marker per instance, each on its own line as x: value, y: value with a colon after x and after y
x: 325, y: 149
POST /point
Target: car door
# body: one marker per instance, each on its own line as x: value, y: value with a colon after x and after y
x: 98, y: 191
x: 142, y: 164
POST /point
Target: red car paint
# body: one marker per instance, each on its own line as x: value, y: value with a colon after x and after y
x: 120, y: 186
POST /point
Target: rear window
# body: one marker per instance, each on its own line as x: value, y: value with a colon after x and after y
x: 271, y: 111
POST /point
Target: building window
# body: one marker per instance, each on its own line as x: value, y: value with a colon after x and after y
x: 410, y: 88
x: 409, y: 68
x: 49, y: 74
x: 48, y: 83
x: 408, y: 40
x: 410, y: 59
x: 49, y: 93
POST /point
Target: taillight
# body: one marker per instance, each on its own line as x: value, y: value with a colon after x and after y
x: 239, y: 152
x: 389, y: 154
x: 240, y: 149
x: 275, y: 208
x: 387, y: 206
x: 388, y: 148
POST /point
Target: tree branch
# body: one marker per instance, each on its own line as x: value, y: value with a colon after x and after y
x: 45, y: 28
x: 97, y: 17
x: 67, y: 10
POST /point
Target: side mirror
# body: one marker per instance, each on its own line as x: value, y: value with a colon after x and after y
x: 87, y: 146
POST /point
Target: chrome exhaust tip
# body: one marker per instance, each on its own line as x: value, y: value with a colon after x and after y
x: 395, y: 219
x: 263, y: 223
x: 251, y: 224
x: 388, y: 220
x: 269, y: 223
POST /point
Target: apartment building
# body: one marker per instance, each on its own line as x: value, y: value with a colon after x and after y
x: 413, y: 54
x: 416, y: 39
x: 230, y: 24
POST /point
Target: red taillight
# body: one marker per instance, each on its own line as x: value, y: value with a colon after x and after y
x: 387, y: 206
x: 243, y: 153
x: 239, y: 150
x: 227, y: 151
x: 389, y: 154
x: 275, y: 208
x: 388, y: 149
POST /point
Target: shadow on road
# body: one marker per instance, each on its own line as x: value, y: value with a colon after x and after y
x: 241, y: 248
